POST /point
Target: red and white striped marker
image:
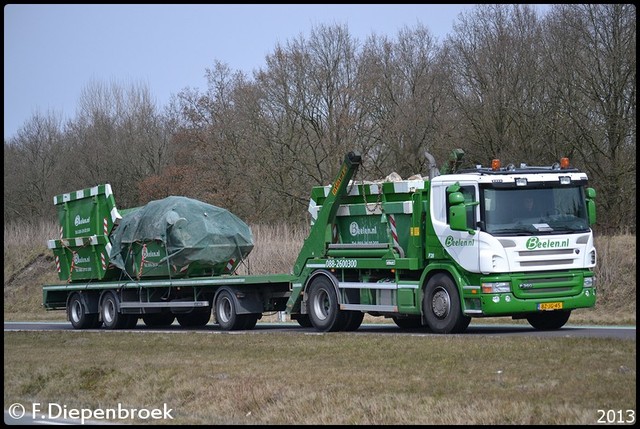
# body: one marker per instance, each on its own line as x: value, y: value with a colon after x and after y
x: 394, y: 232
x: 106, y: 226
x: 58, y: 263
x: 230, y: 265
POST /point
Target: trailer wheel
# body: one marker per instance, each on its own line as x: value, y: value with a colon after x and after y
x: 548, y: 321
x: 79, y: 318
x: 441, y: 306
x: 111, y: 318
x: 226, y: 312
x: 195, y: 319
x: 324, y: 311
x: 158, y: 319
x: 354, y: 320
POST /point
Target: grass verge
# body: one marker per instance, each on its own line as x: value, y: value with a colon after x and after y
x: 338, y: 378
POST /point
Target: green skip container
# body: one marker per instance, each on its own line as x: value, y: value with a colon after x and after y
x: 372, y: 217
x: 86, y: 218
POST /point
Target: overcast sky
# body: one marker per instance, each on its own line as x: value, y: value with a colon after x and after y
x: 52, y: 52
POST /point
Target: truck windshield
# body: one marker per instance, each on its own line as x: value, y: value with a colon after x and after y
x: 528, y: 211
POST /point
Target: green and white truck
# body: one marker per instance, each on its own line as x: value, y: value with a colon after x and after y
x: 428, y: 253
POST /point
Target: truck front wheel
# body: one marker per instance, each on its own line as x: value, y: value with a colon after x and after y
x: 324, y: 310
x: 547, y: 321
x: 441, y: 306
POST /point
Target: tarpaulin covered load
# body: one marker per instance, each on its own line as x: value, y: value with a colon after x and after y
x: 179, y: 236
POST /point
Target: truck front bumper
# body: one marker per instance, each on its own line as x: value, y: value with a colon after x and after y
x: 506, y: 304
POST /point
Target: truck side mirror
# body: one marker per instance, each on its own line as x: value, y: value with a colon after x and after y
x: 591, y: 205
x: 458, y: 212
x: 456, y: 198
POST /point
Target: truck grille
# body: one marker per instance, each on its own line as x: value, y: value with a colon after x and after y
x: 547, y: 257
x: 547, y: 287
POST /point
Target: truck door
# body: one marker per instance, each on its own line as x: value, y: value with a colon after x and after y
x: 462, y: 246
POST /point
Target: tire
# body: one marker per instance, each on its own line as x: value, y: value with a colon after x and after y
x: 441, y: 306
x: 324, y: 310
x: 408, y: 322
x: 111, y: 318
x: 549, y: 321
x: 303, y: 320
x: 227, y: 314
x: 158, y: 319
x: 195, y: 319
x: 78, y: 316
x: 354, y: 320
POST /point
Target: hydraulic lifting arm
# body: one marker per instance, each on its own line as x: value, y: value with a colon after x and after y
x: 320, y: 234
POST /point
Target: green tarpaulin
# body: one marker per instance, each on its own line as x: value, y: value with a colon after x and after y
x: 190, y: 231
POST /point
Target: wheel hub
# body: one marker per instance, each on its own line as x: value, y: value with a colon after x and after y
x: 441, y: 303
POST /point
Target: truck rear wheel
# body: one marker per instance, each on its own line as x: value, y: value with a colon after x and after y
x: 548, y: 321
x: 111, y: 318
x: 78, y: 316
x: 324, y: 310
x: 441, y: 306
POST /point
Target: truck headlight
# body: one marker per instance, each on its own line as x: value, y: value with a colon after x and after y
x: 496, y: 287
x: 589, y: 282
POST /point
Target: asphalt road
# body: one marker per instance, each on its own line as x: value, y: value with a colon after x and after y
x: 620, y: 332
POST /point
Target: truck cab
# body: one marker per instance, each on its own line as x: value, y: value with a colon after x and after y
x: 520, y: 236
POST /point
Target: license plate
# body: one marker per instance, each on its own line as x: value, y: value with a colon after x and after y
x: 550, y: 306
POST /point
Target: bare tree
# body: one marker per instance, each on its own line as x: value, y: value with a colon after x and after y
x: 591, y: 52
x: 118, y: 137
x: 309, y: 114
x: 406, y: 100
x: 493, y: 61
x: 31, y: 167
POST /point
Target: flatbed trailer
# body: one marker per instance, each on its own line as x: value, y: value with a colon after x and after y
x: 240, y: 301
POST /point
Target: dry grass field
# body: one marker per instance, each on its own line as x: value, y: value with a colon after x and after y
x: 336, y: 378
x: 28, y: 264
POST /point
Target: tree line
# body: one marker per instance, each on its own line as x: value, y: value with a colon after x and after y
x: 506, y: 83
